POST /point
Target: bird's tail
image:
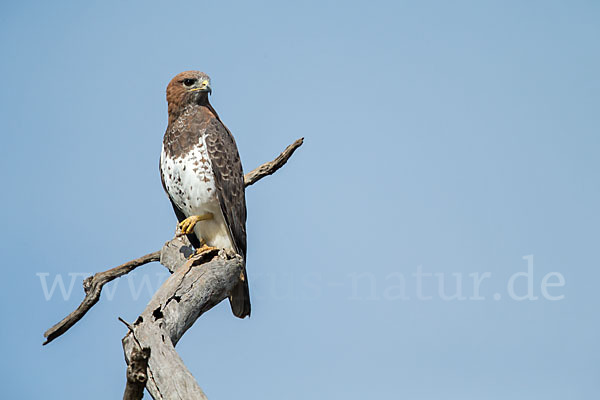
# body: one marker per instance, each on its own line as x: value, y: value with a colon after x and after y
x: 240, y: 297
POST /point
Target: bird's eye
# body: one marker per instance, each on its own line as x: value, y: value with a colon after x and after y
x: 189, y: 82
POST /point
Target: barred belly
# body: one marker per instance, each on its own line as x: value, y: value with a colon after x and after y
x: 190, y: 183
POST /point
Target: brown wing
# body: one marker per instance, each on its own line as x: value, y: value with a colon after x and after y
x: 229, y: 181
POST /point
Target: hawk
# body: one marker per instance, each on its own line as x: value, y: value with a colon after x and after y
x: 202, y: 174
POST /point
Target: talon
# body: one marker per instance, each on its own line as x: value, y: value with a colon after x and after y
x: 205, y: 248
x: 187, y: 225
x: 197, y: 251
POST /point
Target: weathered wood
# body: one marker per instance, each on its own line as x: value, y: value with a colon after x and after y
x: 196, y: 285
x: 272, y: 166
x: 175, y: 252
x: 194, y: 288
x: 93, y: 285
x: 137, y: 375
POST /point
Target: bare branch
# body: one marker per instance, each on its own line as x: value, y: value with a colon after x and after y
x: 271, y: 167
x: 127, y: 324
x: 137, y: 374
x: 92, y: 286
x: 196, y: 285
x: 192, y: 290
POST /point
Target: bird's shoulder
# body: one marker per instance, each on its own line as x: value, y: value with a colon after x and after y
x: 185, y: 132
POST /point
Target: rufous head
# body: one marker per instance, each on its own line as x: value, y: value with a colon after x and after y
x: 186, y: 88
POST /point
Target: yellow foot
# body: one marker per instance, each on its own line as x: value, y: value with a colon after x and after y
x: 187, y: 225
x: 205, y: 248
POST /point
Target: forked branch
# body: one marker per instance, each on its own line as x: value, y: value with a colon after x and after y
x: 93, y: 285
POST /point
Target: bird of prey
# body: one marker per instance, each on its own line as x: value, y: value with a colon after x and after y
x: 202, y: 174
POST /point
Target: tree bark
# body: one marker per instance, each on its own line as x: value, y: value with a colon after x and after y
x: 137, y: 374
x: 197, y: 284
x: 93, y: 285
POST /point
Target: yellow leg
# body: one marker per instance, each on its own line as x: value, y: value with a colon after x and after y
x: 187, y: 225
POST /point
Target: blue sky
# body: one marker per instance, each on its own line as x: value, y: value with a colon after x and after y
x: 445, y: 142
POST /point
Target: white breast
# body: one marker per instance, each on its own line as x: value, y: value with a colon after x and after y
x: 190, y: 183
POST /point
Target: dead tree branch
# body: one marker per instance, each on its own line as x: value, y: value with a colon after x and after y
x: 137, y: 374
x: 196, y: 285
x: 271, y: 167
x: 93, y: 285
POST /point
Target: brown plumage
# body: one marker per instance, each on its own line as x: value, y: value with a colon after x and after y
x: 199, y: 154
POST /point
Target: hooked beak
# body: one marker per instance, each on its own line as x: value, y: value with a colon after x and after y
x: 203, y: 88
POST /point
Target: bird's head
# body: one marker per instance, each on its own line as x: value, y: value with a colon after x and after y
x: 186, y: 88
